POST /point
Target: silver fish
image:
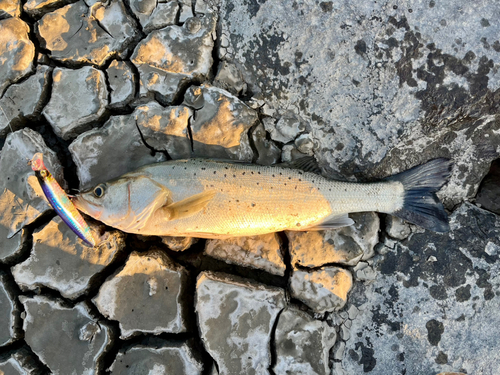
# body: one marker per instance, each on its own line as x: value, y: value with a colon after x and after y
x: 215, y: 199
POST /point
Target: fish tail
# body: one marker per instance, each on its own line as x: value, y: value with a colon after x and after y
x: 421, y: 206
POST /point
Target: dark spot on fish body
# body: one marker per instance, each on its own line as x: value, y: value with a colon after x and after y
x: 253, y: 204
x: 203, y: 168
x: 215, y: 172
x: 225, y: 175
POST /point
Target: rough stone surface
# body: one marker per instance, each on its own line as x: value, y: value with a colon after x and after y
x: 488, y: 195
x: 10, y: 8
x: 267, y: 151
x: 302, y: 344
x: 16, y: 52
x: 9, y: 313
x: 24, y: 102
x: 221, y: 123
x: 37, y: 8
x: 397, y: 228
x: 261, y: 252
x: 62, y: 261
x: 78, y: 33
x: 387, y: 90
x: 20, y: 362
x: 157, y: 357
x: 322, y: 290
x: 121, y: 82
x: 155, y: 15
x: 229, y: 78
x: 79, y: 98
x: 146, y: 295
x: 165, y: 129
x: 235, y: 318
x: 108, y: 152
x: 179, y: 243
x: 173, y: 56
x: 67, y: 340
x: 345, y: 245
x: 287, y: 128
x: 21, y: 198
x: 433, y: 304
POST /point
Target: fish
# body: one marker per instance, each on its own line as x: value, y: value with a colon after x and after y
x: 218, y: 199
x: 60, y: 201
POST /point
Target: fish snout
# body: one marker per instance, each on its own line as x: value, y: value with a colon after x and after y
x: 86, y: 207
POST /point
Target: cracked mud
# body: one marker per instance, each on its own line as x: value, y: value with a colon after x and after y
x: 367, y: 88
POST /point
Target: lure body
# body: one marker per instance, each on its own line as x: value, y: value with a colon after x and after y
x: 60, y: 202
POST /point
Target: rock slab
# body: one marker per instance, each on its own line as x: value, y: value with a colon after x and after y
x: 111, y: 151
x: 433, y: 304
x: 235, y: 318
x: 344, y: 246
x: 302, y: 344
x: 62, y: 261
x: 16, y: 52
x: 157, y: 357
x: 322, y: 290
x: 67, y: 340
x: 9, y: 313
x: 260, y: 252
x: 79, y: 98
x: 221, y: 123
x: 146, y: 295
x: 78, y: 33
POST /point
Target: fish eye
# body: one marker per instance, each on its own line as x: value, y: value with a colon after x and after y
x: 99, y: 190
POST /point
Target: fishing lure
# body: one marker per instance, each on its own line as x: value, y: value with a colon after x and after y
x: 60, y: 202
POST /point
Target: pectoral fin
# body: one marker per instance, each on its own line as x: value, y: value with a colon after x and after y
x: 189, y: 206
x: 332, y: 222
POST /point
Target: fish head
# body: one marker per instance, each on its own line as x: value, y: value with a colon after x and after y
x: 125, y: 203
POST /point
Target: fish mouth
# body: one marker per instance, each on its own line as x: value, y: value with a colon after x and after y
x: 86, y: 207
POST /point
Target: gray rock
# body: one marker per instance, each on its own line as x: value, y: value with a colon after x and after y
x: 364, y: 272
x: 235, y: 318
x: 78, y: 33
x: 389, y: 89
x: 268, y: 152
x: 10, y: 320
x: 67, y: 340
x: 221, y: 123
x: 305, y: 144
x: 346, y: 245
x: 302, y: 344
x: 21, y: 198
x: 37, y: 8
x: 10, y: 8
x: 229, y: 78
x: 322, y: 290
x: 429, y: 317
x: 20, y: 362
x: 186, y: 10
x: 290, y: 153
x: 24, y: 102
x: 121, y: 83
x: 158, y: 357
x: 397, y: 228
x: 79, y: 98
x: 117, y: 148
x: 146, y: 295
x: 287, y: 128
x: 179, y: 243
x: 16, y: 52
x: 488, y: 195
x: 173, y: 56
x: 260, y: 252
x: 165, y: 129
x: 61, y: 261
x: 155, y: 15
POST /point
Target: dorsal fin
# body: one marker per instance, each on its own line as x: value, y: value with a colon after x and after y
x: 306, y: 164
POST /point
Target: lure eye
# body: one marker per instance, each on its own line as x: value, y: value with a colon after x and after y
x: 99, y: 191
x: 43, y: 173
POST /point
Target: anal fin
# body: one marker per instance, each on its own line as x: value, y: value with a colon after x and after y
x: 188, y: 206
x: 332, y: 222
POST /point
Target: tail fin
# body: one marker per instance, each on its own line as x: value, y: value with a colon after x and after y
x: 421, y: 206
